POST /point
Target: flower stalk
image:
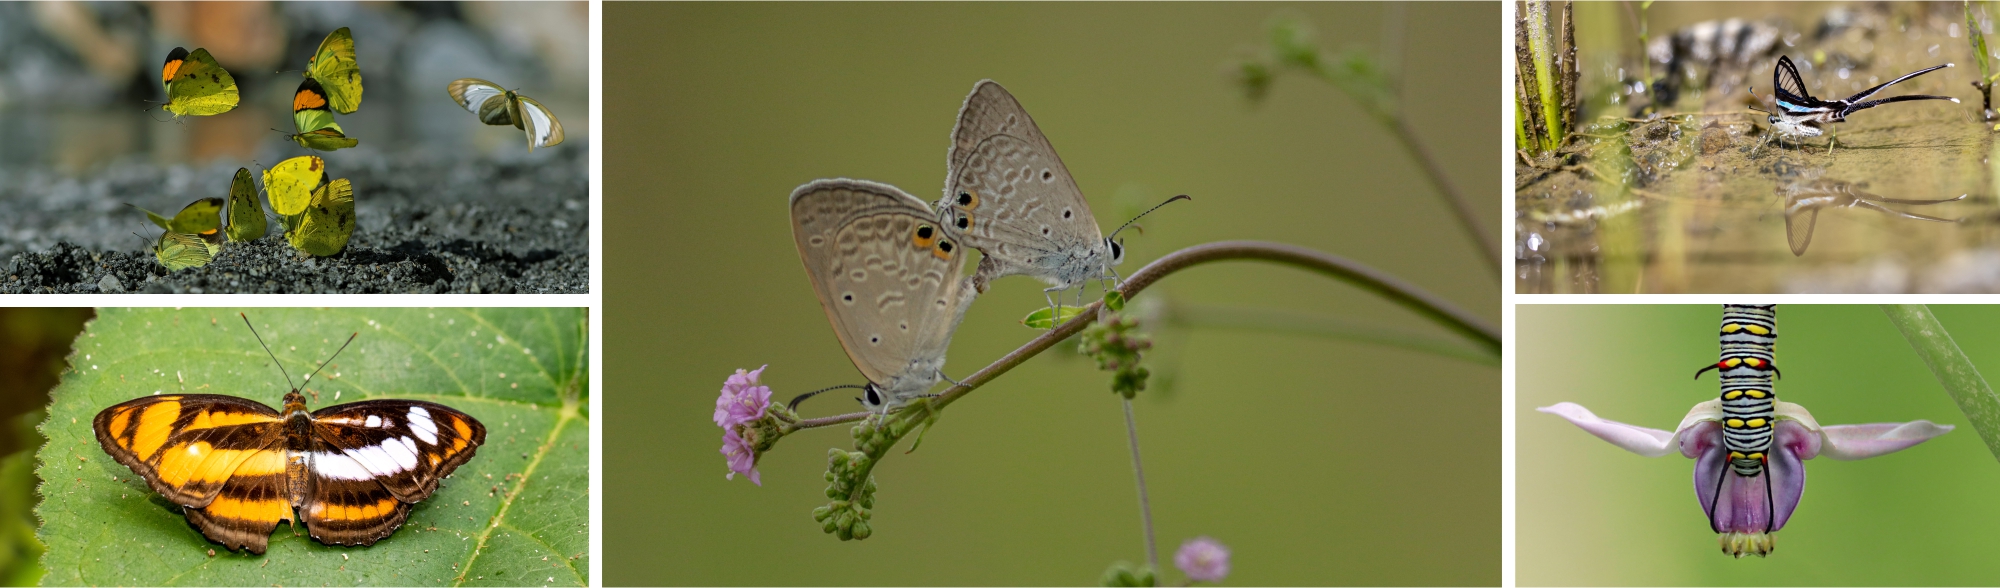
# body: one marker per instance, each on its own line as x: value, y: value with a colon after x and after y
x: 851, y: 489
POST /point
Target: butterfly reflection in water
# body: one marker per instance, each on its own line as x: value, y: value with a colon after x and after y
x: 1804, y: 200
x: 1800, y: 115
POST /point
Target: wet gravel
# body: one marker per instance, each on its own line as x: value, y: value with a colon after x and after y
x: 427, y: 223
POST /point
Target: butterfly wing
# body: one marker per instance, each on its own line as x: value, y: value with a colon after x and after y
x: 1792, y: 96
x: 372, y: 459
x: 197, y: 85
x: 179, y: 251
x: 887, y: 276
x: 290, y: 184
x: 250, y: 504
x: 485, y: 99
x: 314, y: 119
x: 334, y: 66
x: 246, y: 216
x: 328, y: 222
x: 1008, y: 195
x: 543, y: 128
x: 186, y: 446
x: 201, y: 218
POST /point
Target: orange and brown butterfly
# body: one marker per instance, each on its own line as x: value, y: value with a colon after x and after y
x: 351, y: 472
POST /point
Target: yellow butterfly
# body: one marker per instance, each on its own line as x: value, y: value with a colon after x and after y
x: 196, y: 84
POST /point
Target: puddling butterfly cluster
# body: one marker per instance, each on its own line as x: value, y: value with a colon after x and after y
x: 888, y: 268
x: 317, y: 219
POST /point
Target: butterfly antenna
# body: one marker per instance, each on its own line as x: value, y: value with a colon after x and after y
x: 794, y: 404
x: 1760, y: 99
x: 1149, y: 211
x: 267, y: 349
x: 336, y: 353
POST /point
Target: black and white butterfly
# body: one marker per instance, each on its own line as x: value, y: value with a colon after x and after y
x: 1800, y: 115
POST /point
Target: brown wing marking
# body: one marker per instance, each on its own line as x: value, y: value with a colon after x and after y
x: 249, y: 506
x: 188, y: 446
x: 352, y: 512
x: 406, y: 445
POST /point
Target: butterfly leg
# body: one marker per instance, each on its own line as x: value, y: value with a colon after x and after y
x: 1053, y: 294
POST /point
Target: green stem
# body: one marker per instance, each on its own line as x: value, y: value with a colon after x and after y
x: 1399, y: 127
x: 1952, y: 368
x: 1540, y: 46
x: 1327, y: 327
x: 1139, y: 472
x: 1381, y: 284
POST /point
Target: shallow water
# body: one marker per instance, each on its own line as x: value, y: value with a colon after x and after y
x: 1701, y: 203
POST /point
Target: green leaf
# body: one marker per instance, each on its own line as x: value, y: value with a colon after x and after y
x: 1046, y: 318
x: 1115, y: 301
x: 1953, y: 369
x: 517, y: 514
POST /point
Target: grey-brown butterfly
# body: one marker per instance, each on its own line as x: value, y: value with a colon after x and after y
x: 1008, y: 195
x: 891, y: 281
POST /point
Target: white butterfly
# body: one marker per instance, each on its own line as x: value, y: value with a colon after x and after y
x: 498, y: 106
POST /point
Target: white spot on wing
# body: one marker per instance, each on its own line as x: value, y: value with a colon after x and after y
x: 476, y: 95
x: 542, y: 129
x: 373, y: 421
x: 421, y: 425
x: 339, y: 467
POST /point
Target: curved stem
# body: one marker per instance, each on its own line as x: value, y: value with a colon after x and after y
x: 1347, y: 270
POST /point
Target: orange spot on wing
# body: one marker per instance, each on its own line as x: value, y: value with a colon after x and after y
x: 464, y: 430
x: 263, y: 511
x: 209, y: 420
x: 167, y: 72
x: 119, y: 419
x: 154, y: 426
x: 306, y: 100
x: 262, y: 463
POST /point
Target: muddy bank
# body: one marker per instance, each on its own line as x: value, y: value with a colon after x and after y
x: 427, y: 222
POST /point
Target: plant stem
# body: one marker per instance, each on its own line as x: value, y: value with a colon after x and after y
x: 1139, y: 471
x: 1424, y: 303
x: 1953, y: 369
x: 1459, y: 204
x: 1316, y: 325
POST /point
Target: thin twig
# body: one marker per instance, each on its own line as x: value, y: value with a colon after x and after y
x: 1139, y: 471
x: 1424, y: 303
x: 1407, y: 135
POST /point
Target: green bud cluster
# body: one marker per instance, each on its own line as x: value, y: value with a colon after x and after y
x: 853, y: 494
x: 1126, y: 575
x: 1117, y: 343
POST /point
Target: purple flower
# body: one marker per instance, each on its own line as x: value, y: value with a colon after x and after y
x: 1203, y: 560
x: 1747, y: 510
x: 742, y: 457
x: 742, y: 399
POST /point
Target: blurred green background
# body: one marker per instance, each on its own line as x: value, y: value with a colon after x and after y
x: 34, y: 351
x: 1316, y: 461
x: 1591, y: 514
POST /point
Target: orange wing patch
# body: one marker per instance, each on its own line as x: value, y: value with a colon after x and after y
x: 167, y: 72
x: 212, y: 419
x: 307, y: 99
x: 271, y: 510
x: 155, y: 424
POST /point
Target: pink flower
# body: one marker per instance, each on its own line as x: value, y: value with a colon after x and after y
x: 742, y: 457
x: 742, y: 399
x: 1747, y: 511
x: 1203, y: 560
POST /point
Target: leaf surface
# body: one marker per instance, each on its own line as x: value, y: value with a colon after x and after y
x: 516, y: 514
